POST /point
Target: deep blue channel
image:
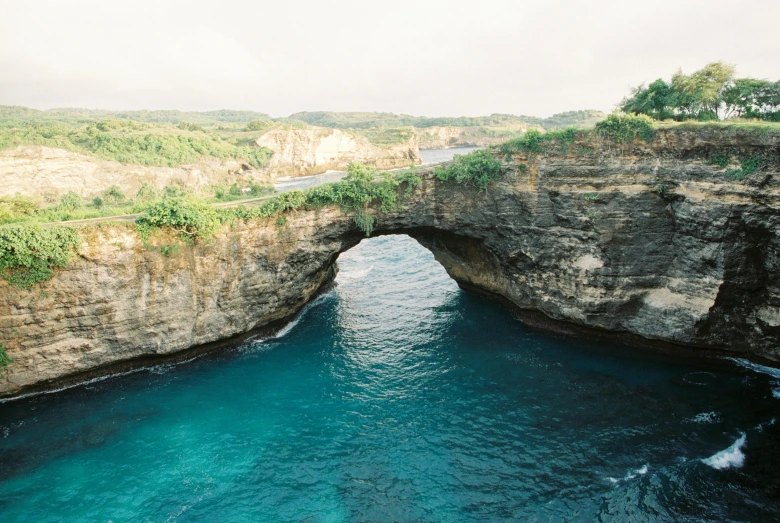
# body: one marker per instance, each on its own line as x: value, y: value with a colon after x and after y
x: 398, y: 397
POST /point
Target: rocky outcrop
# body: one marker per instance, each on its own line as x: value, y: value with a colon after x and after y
x: 315, y: 150
x: 48, y: 173
x: 443, y: 137
x: 648, y: 239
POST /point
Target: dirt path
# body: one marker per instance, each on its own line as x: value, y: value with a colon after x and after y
x: 133, y: 217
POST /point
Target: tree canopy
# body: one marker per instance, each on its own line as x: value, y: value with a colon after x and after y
x: 710, y: 93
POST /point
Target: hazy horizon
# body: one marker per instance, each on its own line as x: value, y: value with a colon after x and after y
x: 429, y: 58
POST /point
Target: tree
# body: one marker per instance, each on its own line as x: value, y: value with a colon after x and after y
x: 654, y: 100
x: 700, y: 94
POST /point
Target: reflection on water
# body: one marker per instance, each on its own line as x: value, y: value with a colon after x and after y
x: 398, y: 397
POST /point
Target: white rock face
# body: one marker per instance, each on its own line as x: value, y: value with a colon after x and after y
x: 315, y: 150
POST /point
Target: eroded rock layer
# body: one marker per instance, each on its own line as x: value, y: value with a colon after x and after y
x: 649, y: 239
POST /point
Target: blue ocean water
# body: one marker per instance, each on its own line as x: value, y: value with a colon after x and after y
x: 398, y: 397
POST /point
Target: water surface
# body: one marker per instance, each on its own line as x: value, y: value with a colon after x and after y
x: 398, y: 397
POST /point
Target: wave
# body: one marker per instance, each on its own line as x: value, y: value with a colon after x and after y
x: 354, y: 275
x: 762, y: 369
x: 731, y: 457
x: 291, y: 324
x: 631, y: 474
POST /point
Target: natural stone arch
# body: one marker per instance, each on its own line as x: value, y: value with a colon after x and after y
x: 645, y: 239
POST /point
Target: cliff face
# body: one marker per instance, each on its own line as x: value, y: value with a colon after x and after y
x: 316, y: 150
x: 49, y: 173
x: 648, y: 239
x: 443, y: 137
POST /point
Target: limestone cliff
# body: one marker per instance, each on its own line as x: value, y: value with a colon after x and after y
x: 315, y: 150
x: 443, y: 137
x: 48, y: 172
x: 649, y: 239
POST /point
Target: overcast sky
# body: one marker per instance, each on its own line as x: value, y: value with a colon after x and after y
x: 423, y: 57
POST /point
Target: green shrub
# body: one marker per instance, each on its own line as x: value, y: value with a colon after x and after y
x: 625, y: 128
x: 21, y: 205
x: 534, y: 141
x: 478, y: 168
x: 260, y: 190
x: 113, y: 195
x: 70, y: 202
x: 191, y: 218
x: 147, y: 193
x: 235, y: 190
x: 97, y: 202
x: 5, y: 360
x: 29, y: 252
x: 257, y: 125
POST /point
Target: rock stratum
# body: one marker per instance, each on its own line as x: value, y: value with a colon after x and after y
x: 648, y: 239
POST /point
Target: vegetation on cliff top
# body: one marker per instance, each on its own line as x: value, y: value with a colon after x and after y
x: 478, y: 168
x: 29, y: 252
x: 705, y: 95
x: 132, y: 142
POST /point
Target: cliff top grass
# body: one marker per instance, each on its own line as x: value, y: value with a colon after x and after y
x: 736, y: 125
x: 626, y: 128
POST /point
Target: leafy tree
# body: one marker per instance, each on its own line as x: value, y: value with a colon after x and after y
x: 655, y: 100
x: 752, y: 98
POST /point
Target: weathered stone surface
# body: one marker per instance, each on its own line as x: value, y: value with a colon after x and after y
x: 647, y: 239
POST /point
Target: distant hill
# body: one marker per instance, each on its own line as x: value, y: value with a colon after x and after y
x: 368, y: 120
x: 338, y: 120
x: 586, y: 118
x: 74, y: 115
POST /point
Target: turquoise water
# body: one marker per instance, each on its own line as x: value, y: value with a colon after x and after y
x: 398, y: 397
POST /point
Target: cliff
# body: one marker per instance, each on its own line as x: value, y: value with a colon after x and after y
x: 49, y: 172
x: 651, y: 239
x: 443, y: 137
x: 315, y: 150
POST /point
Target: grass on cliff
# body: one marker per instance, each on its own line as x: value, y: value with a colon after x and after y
x: 131, y: 142
x: 5, y: 360
x: 478, y: 168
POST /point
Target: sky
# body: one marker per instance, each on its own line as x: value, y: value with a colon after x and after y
x: 423, y: 57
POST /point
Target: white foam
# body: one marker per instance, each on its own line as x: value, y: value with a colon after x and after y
x: 763, y: 369
x: 631, y: 474
x: 731, y: 457
x: 354, y: 275
x: 705, y: 417
x: 291, y: 325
